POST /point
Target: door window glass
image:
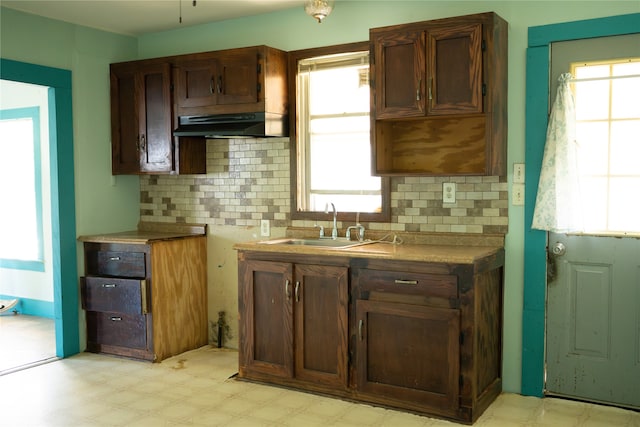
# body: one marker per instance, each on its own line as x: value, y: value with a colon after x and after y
x: 608, y: 135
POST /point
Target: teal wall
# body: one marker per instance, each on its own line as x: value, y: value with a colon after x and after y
x: 106, y: 204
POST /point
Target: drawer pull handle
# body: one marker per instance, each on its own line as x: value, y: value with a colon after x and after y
x: 297, y: 291
x: 360, y: 323
x: 287, y: 292
x: 114, y: 258
x: 116, y: 319
x: 109, y: 285
x: 406, y: 282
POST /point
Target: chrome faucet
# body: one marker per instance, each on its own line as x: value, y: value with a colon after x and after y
x: 321, y: 230
x: 358, y: 227
x: 334, y: 232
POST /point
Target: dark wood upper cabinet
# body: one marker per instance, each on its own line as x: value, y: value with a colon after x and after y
x: 251, y: 79
x: 439, y: 97
x: 141, y: 118
x: 148, y: 96
x: 142, y: 123
x: 222, y: 79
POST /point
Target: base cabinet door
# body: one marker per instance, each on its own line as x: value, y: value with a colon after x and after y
x: 408, y: 353
x: 321, y: 324
x: 294, y: 322
x: 266, y: 338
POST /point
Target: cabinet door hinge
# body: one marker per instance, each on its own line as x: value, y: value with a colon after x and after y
x: 484, y: 45
x: 484, y: 89
x: 259, y: 87
x: 461, y: 338
x: 460, y: 380
x: 259, y: 68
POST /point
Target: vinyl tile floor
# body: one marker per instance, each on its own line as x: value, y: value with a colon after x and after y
x: 195, y: 389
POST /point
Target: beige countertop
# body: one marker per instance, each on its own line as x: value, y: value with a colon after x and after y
x: 149, y: 232
x: 450, y: 249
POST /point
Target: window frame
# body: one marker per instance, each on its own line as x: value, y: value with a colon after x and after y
x: 385, y: 187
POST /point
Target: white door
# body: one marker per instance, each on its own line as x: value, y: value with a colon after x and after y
x: 593, y: 286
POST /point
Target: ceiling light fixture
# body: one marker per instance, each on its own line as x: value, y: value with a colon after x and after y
x: 318, y: 9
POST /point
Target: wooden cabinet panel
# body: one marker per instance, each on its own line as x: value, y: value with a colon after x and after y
x: 400, y: 73
x: 266, y: 340
x: 196, y: 83
x: 408, y: 353
x: 321, y: 324
x: 454, y: 69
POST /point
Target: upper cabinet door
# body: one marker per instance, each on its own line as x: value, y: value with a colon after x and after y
x: 125, y: 157
x: 238, y: 79
x: 399, y: 74
x: 154, y: 118
x: 454, y: 69
x: 196, y: 83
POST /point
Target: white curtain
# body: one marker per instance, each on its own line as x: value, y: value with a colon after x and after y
x: 558, y: 203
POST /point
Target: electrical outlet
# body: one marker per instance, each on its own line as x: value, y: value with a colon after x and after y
x: 518, y: 173
x: 517, y: 194
x: 264, y: 228
x: 448, y: 192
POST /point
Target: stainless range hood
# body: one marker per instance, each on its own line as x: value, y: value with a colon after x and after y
x: 257, y: 125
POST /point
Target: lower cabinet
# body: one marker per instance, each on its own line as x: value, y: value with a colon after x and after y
x: 425, y: 337
x: 145, y: 300
x: 294, y: 322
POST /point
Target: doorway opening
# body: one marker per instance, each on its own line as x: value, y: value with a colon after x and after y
x: 64, y: 309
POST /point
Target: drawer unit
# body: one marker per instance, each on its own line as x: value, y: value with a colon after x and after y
x: 125, y: 279
x: 115, y: 295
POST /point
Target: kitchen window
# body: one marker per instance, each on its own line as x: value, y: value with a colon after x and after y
x: 332, y: 159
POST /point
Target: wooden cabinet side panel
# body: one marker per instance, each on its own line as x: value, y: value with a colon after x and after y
x: 179, y: 295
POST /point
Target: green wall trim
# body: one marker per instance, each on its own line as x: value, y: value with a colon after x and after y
x: 536, y: 120
x: 63, y: 216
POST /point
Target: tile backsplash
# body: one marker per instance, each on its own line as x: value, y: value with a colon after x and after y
x: 249, y: 179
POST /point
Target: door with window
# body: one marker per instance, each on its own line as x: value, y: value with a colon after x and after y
x: 593, y: 286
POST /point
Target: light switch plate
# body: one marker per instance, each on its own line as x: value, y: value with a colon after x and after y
x: 448, y: 192
x: 518, y: 173
x: 517, y: 194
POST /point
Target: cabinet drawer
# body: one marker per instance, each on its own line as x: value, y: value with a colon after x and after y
x: 114, y: 295
x: 116, y: 263
x: 396, y: 282
x: 117, y: 329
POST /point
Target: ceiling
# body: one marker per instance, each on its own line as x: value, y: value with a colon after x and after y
x: 136, y: 17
